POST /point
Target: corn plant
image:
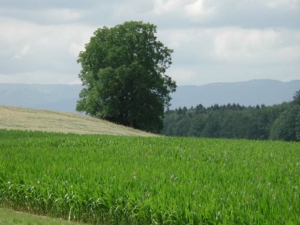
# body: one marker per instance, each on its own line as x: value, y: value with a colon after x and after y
x: 139, y: 180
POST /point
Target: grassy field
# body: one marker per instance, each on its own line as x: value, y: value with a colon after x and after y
x: 143, y: 180
x: 11, y: 217
x: 51, y: 121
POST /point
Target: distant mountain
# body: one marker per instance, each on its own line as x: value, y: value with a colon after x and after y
x: 58, y: 97
x: 248, y: 93
x: 63, y: 98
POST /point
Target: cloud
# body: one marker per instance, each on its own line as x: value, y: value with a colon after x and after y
x: 190, y: 10
x: 48, y: 4
x: 283, y: 4
x: 76, y: 47
x: 164, y: 13
x: 231, y: 53
x: 255, y: 46
x: 44, y: 16
x: 213, y: 40
x: 22, y: 53
x: 183, y: 75
x: 132, y: 8
x: 47, y: 48
x: 62, y: 14
x: 240, y: 13
x: 234, y: 45
x: 199, y: 12
x: 167, y: 6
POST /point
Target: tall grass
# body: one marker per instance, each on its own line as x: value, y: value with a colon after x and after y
x: 139, y: 180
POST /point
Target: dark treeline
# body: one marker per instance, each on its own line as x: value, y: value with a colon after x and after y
x: 277, y: 122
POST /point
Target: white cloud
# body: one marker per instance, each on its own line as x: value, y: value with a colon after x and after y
x: 44, y: 16
x: 22, y: 53
x: 235, y: 45
x: 132, y: 8
x: 255, y: 46
x: 62, y: 14
x: 75, y: 48
x: 166, y: 6
x: 213, y: 40
x: 194, y: 10
x: 280, y: 4
x: 198, y: 11
x: 225, y: 54
x: 183, y: 75
x: 50, y: 47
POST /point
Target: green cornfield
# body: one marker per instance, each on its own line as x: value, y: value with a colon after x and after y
x: 141, y: 180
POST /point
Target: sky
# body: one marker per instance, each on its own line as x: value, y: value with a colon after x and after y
x: 213, y: 40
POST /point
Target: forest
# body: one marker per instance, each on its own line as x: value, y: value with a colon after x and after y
x: 277, y: 122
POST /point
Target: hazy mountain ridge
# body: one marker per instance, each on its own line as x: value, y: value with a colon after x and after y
x: 62, y: 97
x: 268, y: 92
x: 57, y: 97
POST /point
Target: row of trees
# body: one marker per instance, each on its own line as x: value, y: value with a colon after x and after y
x: 278, y: 122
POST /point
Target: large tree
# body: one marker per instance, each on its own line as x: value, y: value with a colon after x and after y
x: 123, y: 74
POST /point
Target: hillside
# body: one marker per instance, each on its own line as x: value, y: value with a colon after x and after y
x: 51, y: 121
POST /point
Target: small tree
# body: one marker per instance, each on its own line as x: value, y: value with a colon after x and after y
x: 123, y: 74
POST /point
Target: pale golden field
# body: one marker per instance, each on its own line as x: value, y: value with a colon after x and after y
x: 15, y: 118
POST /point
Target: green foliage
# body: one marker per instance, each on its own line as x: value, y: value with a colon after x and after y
x: 224, y: 121
x: 212, y: 125
x: 296, y: 98
x: 197, y: 125
x: 123, y: 71
x: 135, y: 180
x: 297, y: 128
x: 284, y: 127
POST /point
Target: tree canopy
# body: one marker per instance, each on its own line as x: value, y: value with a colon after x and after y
x: 296, y: 97
x: 123, y: 74
x: 285, y: 126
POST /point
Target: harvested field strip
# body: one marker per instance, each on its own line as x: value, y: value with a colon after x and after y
x: 50, y: 121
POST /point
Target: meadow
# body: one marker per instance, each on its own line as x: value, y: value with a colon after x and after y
x: 102, y: 179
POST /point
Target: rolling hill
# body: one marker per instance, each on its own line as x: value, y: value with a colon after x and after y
x: 50, y: 121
